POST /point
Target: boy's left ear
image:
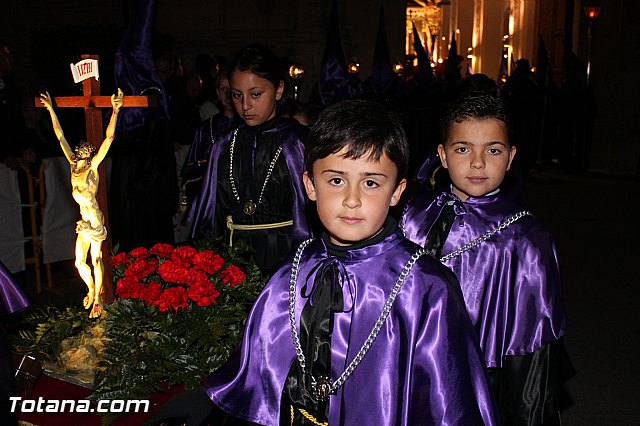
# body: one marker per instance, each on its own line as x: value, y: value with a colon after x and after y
x: 397, y: 193
x: 279, y: 90
x: 512, y: 153
x: 309, y: 186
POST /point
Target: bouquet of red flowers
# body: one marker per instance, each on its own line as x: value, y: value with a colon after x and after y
x: 178, y: 313
x: 170, y: 278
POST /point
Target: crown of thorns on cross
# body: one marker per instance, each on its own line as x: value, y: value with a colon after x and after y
x: 84, y: 150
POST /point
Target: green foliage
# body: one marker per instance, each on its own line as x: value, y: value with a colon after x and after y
x: 44, y: 330
x: 147, y: 349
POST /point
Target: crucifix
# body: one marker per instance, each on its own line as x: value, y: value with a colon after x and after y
x: 92, y: 103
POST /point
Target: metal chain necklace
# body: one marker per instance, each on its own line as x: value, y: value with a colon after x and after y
x: 482, y: 238
x: 249, y: 207
x: 322, y: 387
x: 213, y: 140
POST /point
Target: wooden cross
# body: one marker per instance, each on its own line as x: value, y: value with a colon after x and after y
x: 92, y: 103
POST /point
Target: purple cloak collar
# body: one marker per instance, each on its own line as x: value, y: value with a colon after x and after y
x: 424, y: 367
x: 510, y: 282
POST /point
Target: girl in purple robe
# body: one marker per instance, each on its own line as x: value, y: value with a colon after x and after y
x: 252, y: 188
x: 505, y: 260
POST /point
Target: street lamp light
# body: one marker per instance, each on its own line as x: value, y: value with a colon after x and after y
x: 591, y: 12
x: 353, y: 67
x: 398, y: 67
x: 296, y: 72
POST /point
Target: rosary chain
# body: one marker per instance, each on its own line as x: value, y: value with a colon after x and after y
x: 211, y: 130
x: 266, y: 179
x: 482, y: 238
x: 386, y: 309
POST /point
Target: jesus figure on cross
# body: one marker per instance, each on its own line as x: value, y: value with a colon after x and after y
x: 84, y: 182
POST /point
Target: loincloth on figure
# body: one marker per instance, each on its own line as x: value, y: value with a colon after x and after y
x: 97, y: 235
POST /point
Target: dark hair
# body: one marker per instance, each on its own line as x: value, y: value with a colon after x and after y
x: 261, y: 61
x: 474, y: 105
x: 84, y: 150
x: 366, y: 127
x: 310, y: 111
x: 479, y: 83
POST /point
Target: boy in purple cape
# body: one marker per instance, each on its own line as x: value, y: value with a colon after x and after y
x: 360, y: 327
x: 505, y: 260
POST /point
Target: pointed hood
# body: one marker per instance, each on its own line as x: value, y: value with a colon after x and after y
x: 425, y: 72
x: 543, y: 65
x: 423, y: 56
x: 135, y: 73
x: 452, y: 70
x: 382, y: 75
x: 335, y: 82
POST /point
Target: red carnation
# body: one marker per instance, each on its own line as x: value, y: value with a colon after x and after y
x: 207, y: 261
x: 173, y: 272
x: 194, y: 277
x: 173, y: 298
x: 150, y: 294
x: 183, y: 255
x: 141, y: 268
x: 233, y: 276
x: 119, y: 259
x: 162, y: 250
x: 139, y: 253
x: 203, y: 292
x: 128, y: 288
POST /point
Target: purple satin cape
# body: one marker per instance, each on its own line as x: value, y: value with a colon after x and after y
x: 510, y: 283
x: 203, y: 210
x: 424, y: 367
x: 12, y: 298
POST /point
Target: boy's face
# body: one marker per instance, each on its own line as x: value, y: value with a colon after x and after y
x: 353, y: 196
x: 477, y: 155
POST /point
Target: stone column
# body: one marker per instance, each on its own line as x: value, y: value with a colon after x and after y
x: 487, y: 35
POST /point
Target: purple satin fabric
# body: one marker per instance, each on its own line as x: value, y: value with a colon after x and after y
x: 135, y: 72
x: 336, y: 84
x: 203, y: 210
x: 510, y: 283
x: 424, y: 367
x: 203, y: 142
x: 428, y: 166
x: 12, y: 298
